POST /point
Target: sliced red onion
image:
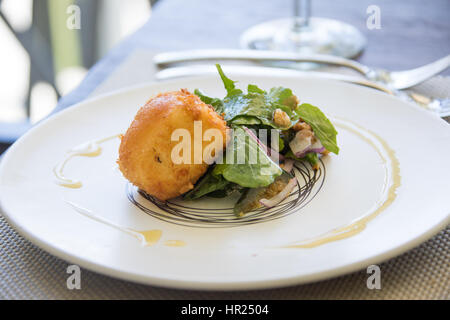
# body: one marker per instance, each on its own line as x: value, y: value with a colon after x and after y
x: 288, y: 165
x: 304, y: 146
x: 309, y: 150
x: 317, y: 147
x: 300, y: 144
x: 283, y: 194
x: 267, y: 150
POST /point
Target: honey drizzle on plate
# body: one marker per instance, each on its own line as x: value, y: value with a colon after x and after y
x: 389, y: 193
x: 175, y: 243
x: 146, y: 237
x: 88, y: 149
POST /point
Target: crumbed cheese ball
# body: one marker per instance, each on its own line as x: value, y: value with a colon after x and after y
x: 145, y: 153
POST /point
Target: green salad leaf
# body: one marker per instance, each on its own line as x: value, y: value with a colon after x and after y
x: 208, y: 184
x: 229, y: 189
x: 322, y: 127
x: 246, y: 164
x: 215, y: 102
x: 256, y: 107
x: 254, y: 89
x: 228, y: 83
x: 282, y: 96
x: 312, y: 157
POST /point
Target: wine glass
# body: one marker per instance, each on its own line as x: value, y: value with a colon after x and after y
x: 305, y: 34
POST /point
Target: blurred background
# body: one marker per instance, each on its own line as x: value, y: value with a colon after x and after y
x: 42, y: 60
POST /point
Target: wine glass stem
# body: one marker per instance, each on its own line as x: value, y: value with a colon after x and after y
x: 302, y: 13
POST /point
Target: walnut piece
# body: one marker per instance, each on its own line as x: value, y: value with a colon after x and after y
x: 281, y: 118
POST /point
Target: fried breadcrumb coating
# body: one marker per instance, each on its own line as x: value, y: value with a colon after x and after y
x: 146, y: 148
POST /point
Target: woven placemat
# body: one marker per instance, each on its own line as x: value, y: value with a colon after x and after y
x: 27, y: 272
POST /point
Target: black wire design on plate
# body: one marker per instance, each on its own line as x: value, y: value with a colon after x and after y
x: 189, y: 213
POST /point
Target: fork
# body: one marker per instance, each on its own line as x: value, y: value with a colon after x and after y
x: 392, y: 79
x: 390, y: 82
x: 199, y: 70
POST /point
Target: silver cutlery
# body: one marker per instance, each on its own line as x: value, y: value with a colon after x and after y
x: 439, y: 106
x: 392, y: 79
x: 199, y: 70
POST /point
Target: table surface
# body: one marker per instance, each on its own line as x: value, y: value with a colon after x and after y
x: 412, y: 34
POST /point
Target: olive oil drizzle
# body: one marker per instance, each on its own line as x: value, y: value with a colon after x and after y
x: 388, y: 195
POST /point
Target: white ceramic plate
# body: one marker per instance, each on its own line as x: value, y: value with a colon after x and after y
x: 391, y: 167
